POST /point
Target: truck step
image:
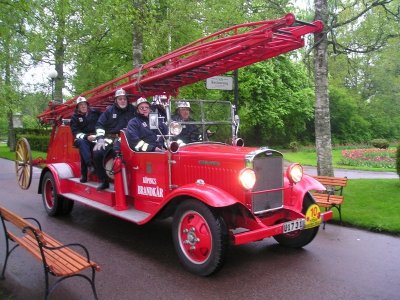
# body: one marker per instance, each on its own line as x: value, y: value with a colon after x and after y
x: 130, y: 214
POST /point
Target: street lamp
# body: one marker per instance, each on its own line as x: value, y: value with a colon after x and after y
x: 52, y: 75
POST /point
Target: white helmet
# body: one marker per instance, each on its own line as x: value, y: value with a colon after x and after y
x: 120, y: 92
x: 183, y: 104
x: 80, y: 99
x: 141, y: 100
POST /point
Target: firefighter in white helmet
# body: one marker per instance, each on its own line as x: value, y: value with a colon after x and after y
x: 111, y: 121
x: 139, y: 135
x: 82, y: 125
x: 190, y: 132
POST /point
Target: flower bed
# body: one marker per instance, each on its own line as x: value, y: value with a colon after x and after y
x: 375, y: 158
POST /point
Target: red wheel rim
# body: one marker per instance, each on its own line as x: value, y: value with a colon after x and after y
x: 49, y: 193
x: 195, y: 238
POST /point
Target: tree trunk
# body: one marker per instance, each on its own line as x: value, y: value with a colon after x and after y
x: 137, y: 34
x: 59, y: 53
x: 323, y: 141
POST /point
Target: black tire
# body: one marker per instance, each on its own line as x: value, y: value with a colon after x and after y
x: 67, y: 206
x: 54, y: 204
x: 200, y: 237
x: 299, y: 238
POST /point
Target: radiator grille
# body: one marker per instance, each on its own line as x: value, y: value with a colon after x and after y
x: 268, y: 167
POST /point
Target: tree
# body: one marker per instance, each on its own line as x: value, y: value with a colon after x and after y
x: 12, y: 45
x: 344, y: 17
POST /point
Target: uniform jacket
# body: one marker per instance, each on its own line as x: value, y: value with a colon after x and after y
x: 114, y: 119
x: 141, y: 138
x: 84, y: 125
x: 190, y: 132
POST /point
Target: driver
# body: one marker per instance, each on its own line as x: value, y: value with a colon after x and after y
x: 190, y: 132
x: 139, y: 135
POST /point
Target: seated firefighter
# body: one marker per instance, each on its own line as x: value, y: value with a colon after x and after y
x: 111, y: 121
x: 190, y: 132
x: 141, y: 134
x: 82, y: 125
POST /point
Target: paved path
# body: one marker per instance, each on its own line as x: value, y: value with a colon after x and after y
x: 355, y: 174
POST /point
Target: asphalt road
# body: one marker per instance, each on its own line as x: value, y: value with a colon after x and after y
x: 139, y: 262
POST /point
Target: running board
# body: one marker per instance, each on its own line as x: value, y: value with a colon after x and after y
x: 130, y: 214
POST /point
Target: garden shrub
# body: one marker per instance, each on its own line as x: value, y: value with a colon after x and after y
x: 380, y: 143
x: 38, y: 138
x: 294, y: 146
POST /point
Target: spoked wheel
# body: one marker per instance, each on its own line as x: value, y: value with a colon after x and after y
x: 23, y: 163
x: 200, y: 237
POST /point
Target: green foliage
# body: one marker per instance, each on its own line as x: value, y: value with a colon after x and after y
x: 346, y: 124
x: 38, y: 137
x: 276, y: 101
x: 380, y: 143
x: 398, y: 160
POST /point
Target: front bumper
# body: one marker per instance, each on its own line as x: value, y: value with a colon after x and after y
x: 268, y: 231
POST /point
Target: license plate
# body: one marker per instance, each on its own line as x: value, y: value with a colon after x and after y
x: 293, y: 225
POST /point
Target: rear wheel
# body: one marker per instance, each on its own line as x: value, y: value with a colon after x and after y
x: 23, y: 163
x: 200, y: 238
x: 54, y: 204
x: 299, y: 238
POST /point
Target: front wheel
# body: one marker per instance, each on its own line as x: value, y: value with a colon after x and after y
x: 200, y: 237
x: 299, y: 238
x: 54, y: 204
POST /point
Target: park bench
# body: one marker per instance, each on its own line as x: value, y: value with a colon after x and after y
x: 333, y: 196
x: 58, y: 260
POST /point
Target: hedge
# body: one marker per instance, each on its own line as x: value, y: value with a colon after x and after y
x: 38, y: 138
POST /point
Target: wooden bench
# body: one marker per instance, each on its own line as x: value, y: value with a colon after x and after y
x: 58, y: 260
x: 333, y: 196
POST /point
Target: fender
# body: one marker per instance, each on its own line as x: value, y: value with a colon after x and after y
x: 59, y: 171
x: 206, y: 193
x: 298, y: 190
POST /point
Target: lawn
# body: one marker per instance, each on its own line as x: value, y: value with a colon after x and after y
x: 373, y: 204
x: 6, y: 153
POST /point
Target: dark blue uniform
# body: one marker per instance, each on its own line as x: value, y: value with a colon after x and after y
x: 190, y: 132
x: 110, y: 123
x: 82, y: 126
x: 141, y: 138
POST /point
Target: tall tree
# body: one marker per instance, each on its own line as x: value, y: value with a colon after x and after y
x: 344, y: 17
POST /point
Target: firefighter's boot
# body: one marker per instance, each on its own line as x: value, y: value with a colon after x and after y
x: 104, y: 185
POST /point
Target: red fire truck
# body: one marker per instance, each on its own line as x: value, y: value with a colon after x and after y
x: 217, y: 191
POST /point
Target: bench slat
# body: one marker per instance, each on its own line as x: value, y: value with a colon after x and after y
x: 333, y: 181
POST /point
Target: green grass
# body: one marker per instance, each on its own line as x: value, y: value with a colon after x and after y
x: 309, y: 158
x: 373, y: 204
x: 6, y: 153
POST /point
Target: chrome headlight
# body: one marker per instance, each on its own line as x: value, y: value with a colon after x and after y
x: 175, y: 128
x: 247, y: 178
x: 294, y: 173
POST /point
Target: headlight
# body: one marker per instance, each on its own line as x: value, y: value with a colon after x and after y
x: 247, y: 178
x: 294, y: 173
x: 175, y: 128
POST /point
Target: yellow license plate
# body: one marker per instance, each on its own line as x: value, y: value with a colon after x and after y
x: 313, y: 216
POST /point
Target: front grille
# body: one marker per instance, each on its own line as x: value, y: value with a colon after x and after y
x: 268, y: 167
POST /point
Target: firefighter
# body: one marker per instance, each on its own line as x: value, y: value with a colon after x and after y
x: 139, y: 135
x: 111, y: 121
x: 83, y: 128
x: 190, y: 132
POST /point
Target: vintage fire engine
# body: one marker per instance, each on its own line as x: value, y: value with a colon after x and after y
x: 218, y: 192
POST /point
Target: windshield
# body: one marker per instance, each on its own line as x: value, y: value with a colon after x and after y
x: 206, y: 120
